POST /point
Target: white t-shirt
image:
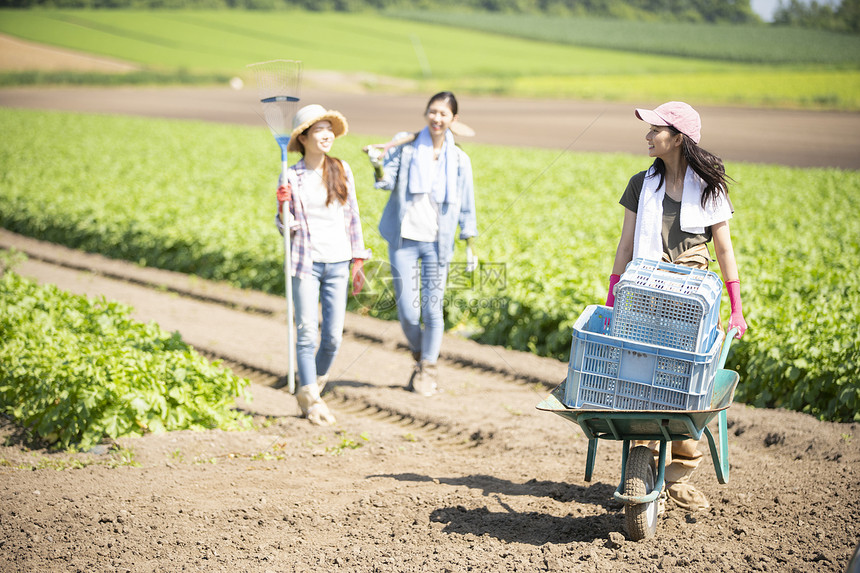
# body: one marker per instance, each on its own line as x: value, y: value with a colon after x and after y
x: 421, y: 220
x: 329, y: 243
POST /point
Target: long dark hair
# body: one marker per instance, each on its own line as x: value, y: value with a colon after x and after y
x: 447, y: 98
x: 706, y: 165
x: 333, y: 175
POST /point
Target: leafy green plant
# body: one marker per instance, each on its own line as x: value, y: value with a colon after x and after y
x: 347, y: 443
x: 10, y: 259
x: 77, y: 370
x: 801, y: 292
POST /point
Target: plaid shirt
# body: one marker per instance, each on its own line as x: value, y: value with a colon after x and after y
x: 300, y: 236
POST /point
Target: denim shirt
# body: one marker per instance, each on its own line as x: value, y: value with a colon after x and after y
x: 459, y: 211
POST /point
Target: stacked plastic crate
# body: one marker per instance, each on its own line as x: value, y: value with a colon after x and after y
x: 657, y: 349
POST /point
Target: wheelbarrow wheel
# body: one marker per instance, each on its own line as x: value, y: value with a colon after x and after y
x: 641, y: 518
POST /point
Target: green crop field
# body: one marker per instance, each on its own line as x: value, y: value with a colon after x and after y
x: 763, y: 67
x: 749, y: 43
x: 198, y: 198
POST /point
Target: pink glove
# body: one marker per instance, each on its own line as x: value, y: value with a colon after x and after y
x: 737, y: 318
x: 357, y: 276
x: 285, y: 195
x: 610, y: 296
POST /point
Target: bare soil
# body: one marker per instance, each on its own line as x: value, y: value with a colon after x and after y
x: 473, y: 479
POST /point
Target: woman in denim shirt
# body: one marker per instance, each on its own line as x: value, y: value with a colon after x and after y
x: 430, y: 180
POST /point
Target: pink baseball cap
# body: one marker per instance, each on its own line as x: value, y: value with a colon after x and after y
x: 676, y: 114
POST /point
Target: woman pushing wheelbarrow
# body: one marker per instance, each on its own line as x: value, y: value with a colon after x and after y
x: 672, y: 211
x: 658, y: 378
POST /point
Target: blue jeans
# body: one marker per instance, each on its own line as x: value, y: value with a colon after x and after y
x: 419, y: 289
x: 326, y: 286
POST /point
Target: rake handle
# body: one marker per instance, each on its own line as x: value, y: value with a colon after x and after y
x: 288, y: 282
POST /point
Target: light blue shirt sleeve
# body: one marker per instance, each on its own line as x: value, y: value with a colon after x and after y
x: 468, y: 219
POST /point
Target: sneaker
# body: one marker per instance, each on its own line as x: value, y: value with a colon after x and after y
x: 686, y: 496
x: 424, y: 381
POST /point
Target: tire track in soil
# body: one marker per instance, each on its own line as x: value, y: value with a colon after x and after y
x: 364, y: 408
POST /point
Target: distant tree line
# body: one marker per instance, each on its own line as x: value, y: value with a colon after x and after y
x: 834, y: 15
x: 736, y: 11
x: 844, y: 17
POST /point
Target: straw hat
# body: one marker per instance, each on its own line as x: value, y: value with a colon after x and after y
x: 309, y: 115
x: 461, y: 129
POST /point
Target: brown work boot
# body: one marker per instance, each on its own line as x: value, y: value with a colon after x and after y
x: 424, y: 379
x: 686, y: 496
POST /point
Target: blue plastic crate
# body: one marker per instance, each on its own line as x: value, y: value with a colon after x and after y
x: 667, y: 305
x: 613, y: 373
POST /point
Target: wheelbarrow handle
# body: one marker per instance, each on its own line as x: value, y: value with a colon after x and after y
x: 727, y: 343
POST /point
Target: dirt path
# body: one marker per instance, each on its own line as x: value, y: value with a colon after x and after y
x: 474, y: 479
x: 796, y: 138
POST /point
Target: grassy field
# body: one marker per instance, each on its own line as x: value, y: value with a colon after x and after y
x: 775, y: 73
x: 147, y: 191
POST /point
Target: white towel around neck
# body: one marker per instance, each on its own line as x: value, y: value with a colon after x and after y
x: 648, y: 239
x: 421, y: 169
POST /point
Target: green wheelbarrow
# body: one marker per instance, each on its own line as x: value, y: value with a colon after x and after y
x: 641, y: 479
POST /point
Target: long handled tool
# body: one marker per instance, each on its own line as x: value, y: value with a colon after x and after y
x: 278, y: 82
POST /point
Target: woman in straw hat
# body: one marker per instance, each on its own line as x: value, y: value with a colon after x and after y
x: 430, y: 180
x: 325, y: 227
x: 672, y: 211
